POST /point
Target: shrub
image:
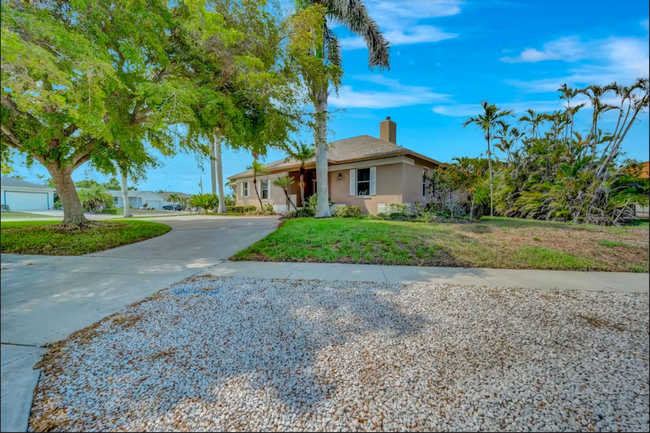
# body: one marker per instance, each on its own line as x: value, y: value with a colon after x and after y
x: 111, y: 211
x: 267, y: 209
x: 240, y: 209
x: 348, y: 211
x: 205, y: 201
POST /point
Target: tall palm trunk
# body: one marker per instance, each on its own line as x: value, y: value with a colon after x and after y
x: 320, y: 136
x: 302, y: 186
x: 490, y: 168
x: 213, y: 171
x: 73, y: 213
x: 125, y: 195
x: 217, y: 155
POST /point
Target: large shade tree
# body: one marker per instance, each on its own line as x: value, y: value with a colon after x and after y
x: 247, y: 94
x: 315, y: 47
x: 90, y: 82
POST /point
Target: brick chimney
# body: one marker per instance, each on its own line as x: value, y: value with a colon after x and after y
x: 388, y: 130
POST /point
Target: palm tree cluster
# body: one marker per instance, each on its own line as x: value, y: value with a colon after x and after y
x: 553, y: 172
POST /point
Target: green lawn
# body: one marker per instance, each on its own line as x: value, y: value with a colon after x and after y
x: 495, y: 243
x: 46, y: 237
x: 22, y: 215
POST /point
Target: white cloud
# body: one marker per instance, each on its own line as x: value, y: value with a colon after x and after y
x: 601, y: 61
x: 567, y: 49
x: 388, y: 94
x: 645, y: 24
x: 414, y: 35
x: 401, y: 21
x: 466, y: 110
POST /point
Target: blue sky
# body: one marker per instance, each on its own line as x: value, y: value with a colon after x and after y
x: 446, y: 57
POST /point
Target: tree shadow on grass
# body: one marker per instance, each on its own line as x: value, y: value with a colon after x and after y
x: 268, y: 341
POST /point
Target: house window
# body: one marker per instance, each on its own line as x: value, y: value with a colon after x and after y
x: 245, y: 189
x: 265, y: 190
x: 363, y: 181
x: 114, y: 200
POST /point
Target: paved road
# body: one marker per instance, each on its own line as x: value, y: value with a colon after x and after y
x: 46, y: 298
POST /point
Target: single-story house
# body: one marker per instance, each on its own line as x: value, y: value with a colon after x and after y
x: 19, y: 195
x: 138, y: 199
x: 365, y: 171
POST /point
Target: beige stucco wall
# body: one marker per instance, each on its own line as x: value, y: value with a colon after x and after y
x: 388, y: 188
x: 396, y: 183
x: 276, y: 197
x: 412, y: 183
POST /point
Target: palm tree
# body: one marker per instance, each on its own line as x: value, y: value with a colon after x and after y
x: 174, y: 198
x: 258, y: 170
x: 301, y: 153
x: 535, y: 119
x: 232, y: 184
x: 95, y: 197
x: 488, y: 122
x: 285, y: 182
x: 353, y: 15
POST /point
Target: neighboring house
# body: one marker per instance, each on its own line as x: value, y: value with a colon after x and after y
x: 165, y: 195
x: 365, y: 171
x: 643, y: 211
x: 21, y: 195
x: 138, y: 199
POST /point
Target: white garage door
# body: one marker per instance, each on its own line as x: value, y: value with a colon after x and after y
x: 26, y: 201
x: 155, y: 204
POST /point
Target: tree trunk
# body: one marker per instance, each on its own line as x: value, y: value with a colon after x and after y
x: 491, y: 184
x: 258, y: 194
x: 471, y: 209
x: 320, y: 136
x: 125, y: 196
x: 302, y: 187
x: 290, y: 202
x: 73, y: 213
x: 217, y: 155
x: 213, y: 170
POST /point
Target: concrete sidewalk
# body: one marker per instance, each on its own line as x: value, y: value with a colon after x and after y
x: 591, y: 281
x: 18, y: 382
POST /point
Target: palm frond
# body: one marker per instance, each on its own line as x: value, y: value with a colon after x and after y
x: 353, y: 15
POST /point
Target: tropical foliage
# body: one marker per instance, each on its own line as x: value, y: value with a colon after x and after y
x: 553, y: 172
x: 95, y: 198
x: 205, y: 201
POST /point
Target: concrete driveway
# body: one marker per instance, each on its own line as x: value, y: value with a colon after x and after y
x: 46, y: 298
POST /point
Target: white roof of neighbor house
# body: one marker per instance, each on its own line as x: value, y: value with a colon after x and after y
x: 118, y: 193
x: 11, y: 182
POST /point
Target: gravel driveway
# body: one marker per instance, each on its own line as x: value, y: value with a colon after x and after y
x: 251, y: 354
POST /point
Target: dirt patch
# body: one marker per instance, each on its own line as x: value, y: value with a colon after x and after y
x: 600, y: 323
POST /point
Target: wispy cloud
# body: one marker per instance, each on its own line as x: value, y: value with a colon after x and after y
x: 415, y: 35
x: 645, y: 24
x: 600, y: 61
x: 567, y: 49
x: 387, y: 93
x: 545, y: 106
x: 465, y: 110
x: 402, y: 22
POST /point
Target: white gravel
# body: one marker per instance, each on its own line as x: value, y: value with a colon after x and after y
x: 277, y: 355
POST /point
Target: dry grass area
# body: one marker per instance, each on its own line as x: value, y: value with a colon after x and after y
x: 500, y: 243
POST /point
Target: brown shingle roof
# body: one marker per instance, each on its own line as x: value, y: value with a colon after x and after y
x: 350, y: 149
